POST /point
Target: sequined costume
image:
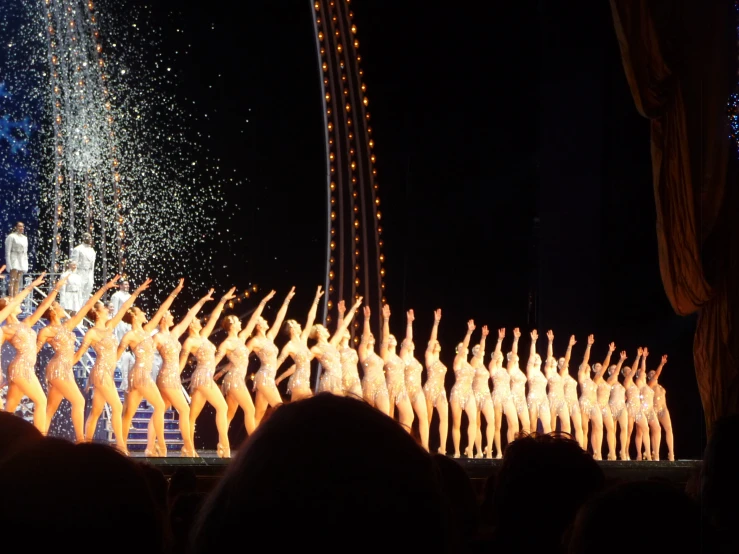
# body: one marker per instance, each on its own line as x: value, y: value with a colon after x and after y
x: 205, y: 356
x: 603, y: 395
x: 617, y: 400
x: 570, y: 387
x: 462, y: 390
x: 140, y: 374
x: 395, y: 375
x: 501, y: 387
x: 413, y: 376
x: 106, y: 352
x: 238, y: 362
x: 373, y: 383
x: 481, y: 387
x: 633, y: 401
x: 537, y: 396
x: 588, y: 398
x: 300, y: 380
x: 330, y: 360
x: 169, y: 349
x: 647, y: 403
x: 267, y: 354
x: 24, y: 362
x: 60, y: 365
x: 518, y: 391
x: 660, y: 401
x: 556, y: 396
x: 350, y: 372
x: 434, y: 387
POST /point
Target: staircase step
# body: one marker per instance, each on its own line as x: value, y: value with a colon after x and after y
x: 144, y: 424
x: 169, y: 436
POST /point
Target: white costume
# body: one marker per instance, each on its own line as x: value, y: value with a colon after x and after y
x: 69, y: 296
x: 16, y: 252
x: 84, y: 255
x: 118, y: 299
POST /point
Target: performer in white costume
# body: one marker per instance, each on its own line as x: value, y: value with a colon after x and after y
x: 69, y: 297
x: 16, y: 257
x: 117, y: 300
x: 84, y: 255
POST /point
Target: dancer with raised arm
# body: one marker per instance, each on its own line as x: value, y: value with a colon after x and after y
x: 483, y: 400
x: 234, y: 387
x: 9, y: 306
x: 374, y: 387
x: 326, y: 352
x: 570, y: 388
x: 297, y: 348
x: 434, y: 388
x: 102, y: 340
x: 140, y: 383
x: 589, y: 405
x: 603, y: 394
x: 263, y: 345
x: 395, y: 373
x: 647, y: 411
x: 22, y: 380
x: 518, y: 385
x: 59, y: 375
x: 462, y: 398
x: 169, y: 382
x: 617, y: 405
x: 502, y: 397
x: 413, y: 378
x: 202, y: 387
x: 663, y: 414
x: 537, y: 400
x: 556, y: 391
x: 350, y: 380
x: 633, y: 405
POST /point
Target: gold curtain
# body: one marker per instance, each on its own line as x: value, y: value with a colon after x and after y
x: 680, y: 62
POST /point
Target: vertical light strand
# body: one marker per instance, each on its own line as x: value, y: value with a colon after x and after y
x: 733, y: 104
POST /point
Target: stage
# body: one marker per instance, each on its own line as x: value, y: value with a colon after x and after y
x: 209, y: 467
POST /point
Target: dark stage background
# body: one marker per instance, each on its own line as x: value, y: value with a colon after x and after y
x: 514, y: 170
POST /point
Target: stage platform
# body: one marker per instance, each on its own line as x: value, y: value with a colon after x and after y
x: 209, y: 468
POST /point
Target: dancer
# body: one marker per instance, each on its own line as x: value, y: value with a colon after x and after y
x: 326, y: 352
x: 202, y: 387
x: 483, y: 400
x: 648, y: 415
x: 234, y: 348
x: 297, y: 348
x: 100, y: 337
x: 556, y: 391
x: 140, y: 382
x: 263, y: 345
x: 589, y: 408
x: 462, y: 398
x: 617, y: 406
x: 518, y: 385
x: 8, y: 306
x: 434, y: 389
x: 537, y: 400
x: 69, y: 297
x: 413, y: 377
x: 395, y: 374
x: 603, y: 394
x: 16, y: 257
x: 351, y: 383
x: 117, y: 299
x: 84, y: 255
x: 663, y: 414
x: 374, y: 387
x: 570, y: 388
x: 169, y: 383
x: 59, y: 375
x: 502, y: 397
x: 633, y: 407
x: 22, y: 380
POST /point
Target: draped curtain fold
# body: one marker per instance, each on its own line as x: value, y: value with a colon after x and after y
x: 679, y: 57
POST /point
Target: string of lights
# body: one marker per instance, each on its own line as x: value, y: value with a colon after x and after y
x: 733, y: 104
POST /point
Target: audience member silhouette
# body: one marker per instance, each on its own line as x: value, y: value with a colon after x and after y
x: 15, y: 433
x: 332, y: 472
x: 462, y: 506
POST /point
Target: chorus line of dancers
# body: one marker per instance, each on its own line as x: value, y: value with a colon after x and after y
x: 391, y: 378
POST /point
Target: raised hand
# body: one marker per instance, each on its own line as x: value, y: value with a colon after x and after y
x: 471, y: 325
x: 358, y: 303
x: 612, y: 347
x: 409, y: 316
x: 180, y: 286
x: 640, y: 351
x: 623, y: 354
x: 573, y: 342
x: 485, y: 331
x: 591, y: 340
x: 112, y: 283
x: 143, y: 286
x: 290, y: 294
x: 367, y: 311
x: 319, y: 293
x: 386, y: 311
x: 39, y: 279
x: 60, y: 283
x: 516, y: 333
x: 664, y: 359
x: 645, y: 352
x: 230, y: 295
x: 437, y: 315
x: 269, y: 297
x: 501, y: 333
x: 550, y: 335
x: 534, y: 334
x: 341, y: 306
x: 208, y: 297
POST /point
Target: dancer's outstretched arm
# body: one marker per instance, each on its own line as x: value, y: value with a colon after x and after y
x: 568, y: 354
x: 216, y: 313
x: 280, y: 317
x: 613, y: 377
x: 80, y: 315
x: 654, y: 382
x: 516, y: 336
x: 409, y: 318
x: 45, y: 304
x: 460, y: 356
x: 385, y: 332
x: 485, y: 333
x: 532, y: 351
x: 20, y: 297
x: 499, y: 342
x: 180, y: 328
x: 606, y: 362
x: 286, y: 374
x: 433, y: 337
x: 550, y: 345
x: 154, y: 321
x: 311, y: 315
x: 364, y: 350
x: 116, y: 319
x: 256, y: 314
x: 336, y: 339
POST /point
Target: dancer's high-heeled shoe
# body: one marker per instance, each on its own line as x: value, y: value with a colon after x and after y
x: 223, y: 452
